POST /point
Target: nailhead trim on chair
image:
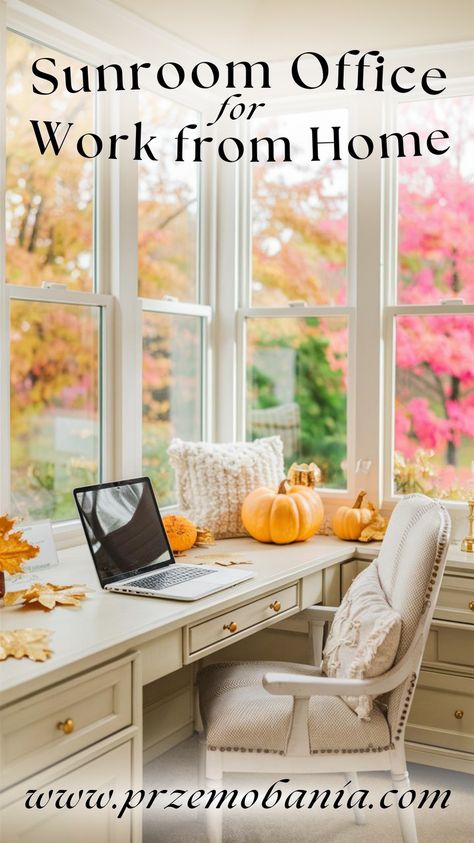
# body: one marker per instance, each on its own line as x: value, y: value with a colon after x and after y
x: 427, y: 602
x: 313, y: 751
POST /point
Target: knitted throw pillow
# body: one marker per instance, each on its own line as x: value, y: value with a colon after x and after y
x: 364, y: 636
x: 213, y: 480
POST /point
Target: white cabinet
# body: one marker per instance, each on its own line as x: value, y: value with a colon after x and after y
x: 62, y: 825
x: 77, y: 736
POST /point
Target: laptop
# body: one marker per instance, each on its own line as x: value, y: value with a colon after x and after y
x: 130, y: 548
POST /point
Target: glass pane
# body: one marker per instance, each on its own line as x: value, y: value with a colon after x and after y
x: 436, y: 205
x: 172, y: 392
x: 49, y: 213
x: 296, y: 389
x: 299, y: 216
x: 434, y: 409
x: 167, y: 206
x: 55, y: 406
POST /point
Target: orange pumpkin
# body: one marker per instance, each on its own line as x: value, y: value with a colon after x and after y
x: 181, y: 532
x: 293, y: 513
x: 349, y: 521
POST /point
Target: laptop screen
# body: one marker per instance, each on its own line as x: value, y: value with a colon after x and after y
x: 123, y: 529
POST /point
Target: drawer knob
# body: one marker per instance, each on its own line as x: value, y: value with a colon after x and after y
x: 471, y: 605
x: 67, y: 727
x: 276, y: 606
x: 232, y: 627
x: 459, y: 714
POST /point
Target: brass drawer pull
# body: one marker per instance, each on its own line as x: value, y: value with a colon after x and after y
x: 471, y: 605
x: 459, y: 714
x: 232, y: 627
x: 67, y: 727
x: 276, y: 606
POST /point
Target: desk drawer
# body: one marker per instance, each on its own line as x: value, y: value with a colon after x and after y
x: 450, y: 645
x: 442, y: 713
x: 97, y: 703
x: 232, y: 623
x: 456, y: 599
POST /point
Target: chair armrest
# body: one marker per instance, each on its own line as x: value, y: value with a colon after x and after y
x: 292, y: 684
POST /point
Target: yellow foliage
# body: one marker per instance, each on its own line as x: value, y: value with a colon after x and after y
x: 14, y: 550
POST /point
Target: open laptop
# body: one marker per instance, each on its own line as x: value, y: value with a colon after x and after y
x: 130, y: 548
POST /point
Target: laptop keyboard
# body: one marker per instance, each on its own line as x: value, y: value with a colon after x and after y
x: 165, y: 579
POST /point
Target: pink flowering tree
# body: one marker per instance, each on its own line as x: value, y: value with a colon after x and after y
x: 434, y: 418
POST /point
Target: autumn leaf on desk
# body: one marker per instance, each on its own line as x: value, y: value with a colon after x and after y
x: 19, y: 643
x: 47, y: 595
x: 14, y: 550
x: 375, y: 529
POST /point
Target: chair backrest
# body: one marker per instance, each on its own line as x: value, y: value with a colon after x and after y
x: 411, y: 560
x: 410, y: 566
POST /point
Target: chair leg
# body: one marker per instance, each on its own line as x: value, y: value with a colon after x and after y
x: 359, y: 816
x: 213, y: 781
x: 406, y: 816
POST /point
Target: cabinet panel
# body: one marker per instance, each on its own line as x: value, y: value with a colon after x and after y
x: 443, y: 712
x: 52, y: 825
x: 53, y: 724
x: 456, y: 599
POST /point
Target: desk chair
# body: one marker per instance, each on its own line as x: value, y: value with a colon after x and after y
x: 284, y: 718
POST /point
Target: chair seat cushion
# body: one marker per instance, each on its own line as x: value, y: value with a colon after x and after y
x: 239, y: 714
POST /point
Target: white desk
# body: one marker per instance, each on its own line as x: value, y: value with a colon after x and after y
x: 104, y: 652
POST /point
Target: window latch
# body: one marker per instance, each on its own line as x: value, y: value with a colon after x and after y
x: 452, y: 301
x: 297, y: 303
x: 170, y: 298
x: 52, y: 285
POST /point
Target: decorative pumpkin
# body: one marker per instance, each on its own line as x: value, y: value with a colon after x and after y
x: 293, y: 513
x: 181, y: 532
x: 349, y: 521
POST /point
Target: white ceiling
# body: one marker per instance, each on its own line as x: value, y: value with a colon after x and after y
x: 279, y: 29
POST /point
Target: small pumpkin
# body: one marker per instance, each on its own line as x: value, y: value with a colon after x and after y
x: 181, y: 532
x: 349, y: 521
x: 292, y: 513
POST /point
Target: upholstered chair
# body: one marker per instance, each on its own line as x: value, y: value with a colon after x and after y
x: 285, y: 718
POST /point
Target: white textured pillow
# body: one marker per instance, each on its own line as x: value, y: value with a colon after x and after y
x: 364, y: 636
x: 212, y: 481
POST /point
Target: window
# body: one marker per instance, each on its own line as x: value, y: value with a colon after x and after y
x: 57, y: 323
x: 49, y: 200
x: 297, y: 325
x: 174, y: 321
x: 172, y: 392
x: 299, y: 216
x: 356, y: 348
x: 167, y: 207
x: 434, y: 322
x: 54, y: 405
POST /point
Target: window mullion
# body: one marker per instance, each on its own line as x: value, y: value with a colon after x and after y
x: 365, y: 424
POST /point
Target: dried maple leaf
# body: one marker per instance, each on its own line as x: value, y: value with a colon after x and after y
x: 204, y: 537
x: 14, y: 550
x: 375, y: 529
x: 31, y: 643
x: 47, y: 595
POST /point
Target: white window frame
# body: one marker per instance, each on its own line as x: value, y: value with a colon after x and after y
x: 225, y: 248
